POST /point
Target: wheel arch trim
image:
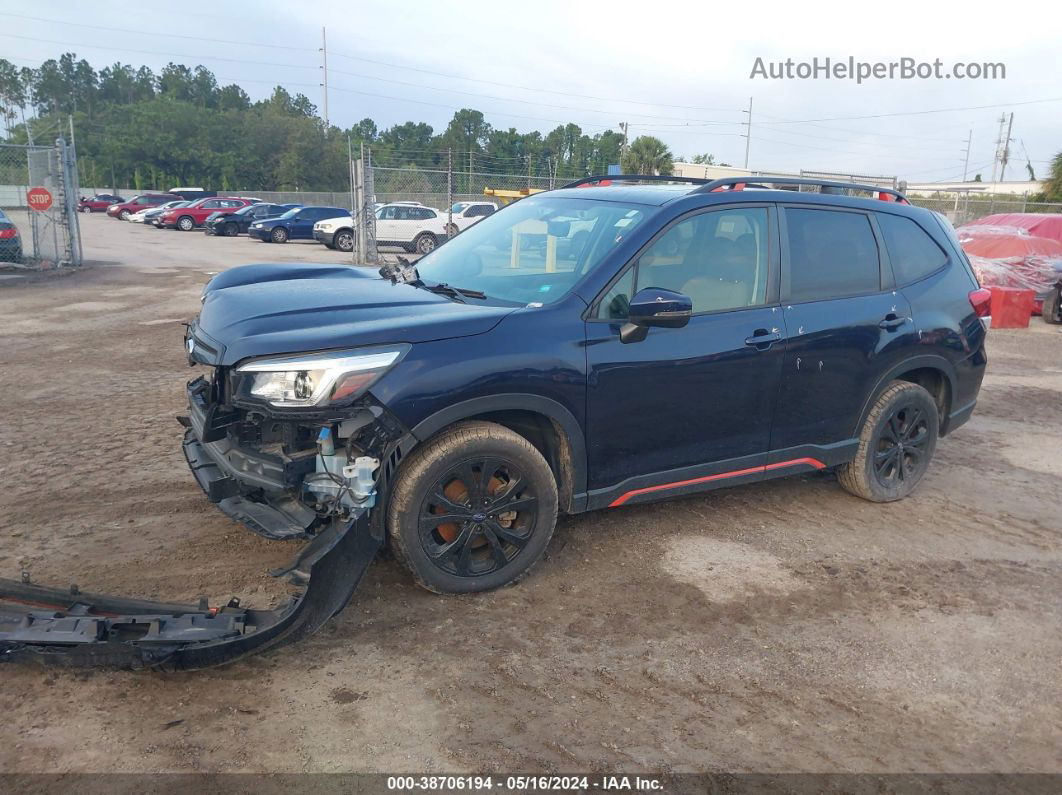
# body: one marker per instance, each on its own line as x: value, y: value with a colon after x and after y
x: 518, y: 401
x: 923, y: 362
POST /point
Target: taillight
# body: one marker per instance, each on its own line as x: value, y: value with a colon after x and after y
x: 7, y: 234
x: 981, y: 301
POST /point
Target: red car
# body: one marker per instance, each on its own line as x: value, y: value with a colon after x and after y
x: 138, y: 203
x: 98, y: 203
x: 195, y: 214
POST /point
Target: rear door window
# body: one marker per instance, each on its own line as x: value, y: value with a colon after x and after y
x: 832, y: 254
x: 913, y: 253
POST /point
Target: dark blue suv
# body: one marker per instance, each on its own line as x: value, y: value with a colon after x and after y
x: 618, y: 341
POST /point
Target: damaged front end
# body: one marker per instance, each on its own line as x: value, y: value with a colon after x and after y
x: 309, y: 472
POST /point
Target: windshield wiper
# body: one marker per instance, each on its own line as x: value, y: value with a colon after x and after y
x: 453, y: 292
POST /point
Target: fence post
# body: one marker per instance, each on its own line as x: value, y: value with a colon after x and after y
x: 449, y: 190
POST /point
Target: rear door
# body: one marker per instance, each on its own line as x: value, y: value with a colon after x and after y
x: 845, y: 324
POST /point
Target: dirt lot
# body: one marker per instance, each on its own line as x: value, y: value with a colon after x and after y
x: 778, y: 627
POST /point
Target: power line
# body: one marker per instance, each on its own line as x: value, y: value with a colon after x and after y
x: 364, y: 60
x: 922, y: 112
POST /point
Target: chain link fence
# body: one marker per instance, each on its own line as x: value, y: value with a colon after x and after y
x: 963, y: 209
x: 38, y: 197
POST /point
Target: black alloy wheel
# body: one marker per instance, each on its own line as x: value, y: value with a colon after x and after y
x: 901, y: 450
x: 477, y: 517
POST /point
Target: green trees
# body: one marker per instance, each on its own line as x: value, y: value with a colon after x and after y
x: 648, y: 155
x: 136, y: 128
x: 1053, y: 184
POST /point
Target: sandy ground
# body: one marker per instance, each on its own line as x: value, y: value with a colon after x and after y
x: 785, y: 626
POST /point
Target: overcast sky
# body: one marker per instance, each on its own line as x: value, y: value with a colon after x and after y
x: 680, y: 71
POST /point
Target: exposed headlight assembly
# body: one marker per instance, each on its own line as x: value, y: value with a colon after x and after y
x: 317, y: 379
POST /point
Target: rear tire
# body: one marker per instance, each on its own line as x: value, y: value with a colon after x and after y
x: 500, y: 496
x: 895, y: 445
x: 425, y: 243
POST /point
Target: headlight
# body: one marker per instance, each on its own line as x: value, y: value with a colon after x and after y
x: 257, y: 226
x: 317, y: 379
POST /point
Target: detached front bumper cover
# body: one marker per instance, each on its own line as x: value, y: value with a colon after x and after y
x: 72, y: 629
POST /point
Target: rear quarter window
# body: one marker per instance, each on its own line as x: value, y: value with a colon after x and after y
x: 913, y: 253
x: 832, y: 254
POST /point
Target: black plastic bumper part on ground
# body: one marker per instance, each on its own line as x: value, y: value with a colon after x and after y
x: 71, y: 629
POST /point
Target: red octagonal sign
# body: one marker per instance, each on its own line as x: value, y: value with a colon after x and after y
x: 40, y: 199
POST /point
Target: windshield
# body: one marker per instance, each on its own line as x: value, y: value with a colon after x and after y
x: 245, y: 210
x: 174, y: 205
x: 533, y: 251
x: 459, y: 206
x: 291, y: 213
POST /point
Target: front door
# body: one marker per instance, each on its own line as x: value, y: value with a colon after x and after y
x: 688, y: 408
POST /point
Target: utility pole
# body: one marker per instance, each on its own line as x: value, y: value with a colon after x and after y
x: 623, y: 147
x: 1006, y: 149
x: 748, y: 133
x: 528, y: 172
x: 999, y: 145
x: 470, y: 168
x: 966, y: 162
x: 353, y: 200
x: 324, y: 69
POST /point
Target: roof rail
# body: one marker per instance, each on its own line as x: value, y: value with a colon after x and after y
x: 739, y: 183
x: 632, y: 177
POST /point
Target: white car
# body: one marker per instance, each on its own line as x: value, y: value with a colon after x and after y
x: 408, y: 225
x: 145, y: 215
x: 335, y: 232
x: 467, y: 213
x: 413, y: 227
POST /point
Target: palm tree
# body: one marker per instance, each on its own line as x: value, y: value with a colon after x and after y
x: 647, y: 155
x: 1053, y: 184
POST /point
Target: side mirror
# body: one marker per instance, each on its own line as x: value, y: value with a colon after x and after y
x: 655, y: 307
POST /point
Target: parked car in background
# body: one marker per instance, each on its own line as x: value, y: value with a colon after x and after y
x: 193, y: 194
x: 10, y: 240
x: 229, y: 223
x: 335, y: 232
x: 146, y: 215
x: 195, y: 214
x: 295, y: 224
x: 464, y: 214
x: 413, y: 227
x: 98, y: 203
x: 142, y: 202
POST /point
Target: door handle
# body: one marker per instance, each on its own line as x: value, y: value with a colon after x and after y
x: 891, y: 321
x: 762, y: 338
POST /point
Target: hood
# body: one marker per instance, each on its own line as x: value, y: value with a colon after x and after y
x: 262, y: 310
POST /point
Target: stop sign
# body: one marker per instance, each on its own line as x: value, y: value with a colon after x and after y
x: 40, y: 199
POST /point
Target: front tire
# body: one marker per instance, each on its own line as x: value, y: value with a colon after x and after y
x: 344, y: 241
x: 279, y: 235
x: 895, y: 445
x: 231, y: 229
x: 186, y: 223
x: 124, y: 215
x: 472, y: 509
